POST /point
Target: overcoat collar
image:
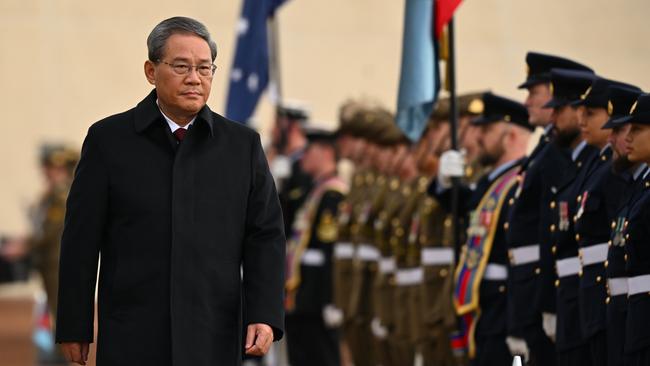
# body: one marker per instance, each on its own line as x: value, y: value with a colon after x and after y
x: 147, y: 111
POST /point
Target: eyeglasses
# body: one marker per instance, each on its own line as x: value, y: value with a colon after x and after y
x: 181, y: 68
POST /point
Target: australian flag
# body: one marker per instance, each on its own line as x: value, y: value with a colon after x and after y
x: 249, y: 75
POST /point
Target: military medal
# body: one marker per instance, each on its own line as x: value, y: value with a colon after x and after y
x: 564, y: 216
x: 618, y: 232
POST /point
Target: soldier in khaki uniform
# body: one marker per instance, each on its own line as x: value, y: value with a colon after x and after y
x: 58, y: 163
x: 355, y: 234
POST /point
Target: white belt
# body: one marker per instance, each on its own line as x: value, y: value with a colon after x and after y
x: 524, y: 255
x: 387, y: 265
x: 568, y: 266
x: 638, y: 284
x: 495, y: 272
x: 367, y: 253
x: 437, y: 256
x: 344, y: 250
x: 617, y: 286
x: 410, y: 276
x: 313, y: 257
x: 594, y: 254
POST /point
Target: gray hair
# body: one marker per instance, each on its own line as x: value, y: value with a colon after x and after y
x: 165, y: 29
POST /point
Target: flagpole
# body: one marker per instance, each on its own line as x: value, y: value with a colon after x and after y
x: 274, y: 59
x: 453, y: 119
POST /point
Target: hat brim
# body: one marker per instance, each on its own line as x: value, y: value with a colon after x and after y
x: 640, y: 118
x: 532, y: 81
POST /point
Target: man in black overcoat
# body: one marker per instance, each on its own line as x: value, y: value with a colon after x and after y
x: 179, y: 203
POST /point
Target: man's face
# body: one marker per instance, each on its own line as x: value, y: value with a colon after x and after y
x: 538, y: 95
x: 590, y: 126
x: 181, y: 95
x: 470, y: 142
x: 346, y: 145
x: 566, y: 119
x: 313, y: 157
x: 619, y: 147
x: 491, y: 142
x: 638, y: 140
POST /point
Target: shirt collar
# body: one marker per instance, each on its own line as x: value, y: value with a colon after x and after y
x: 173, y: 125
x: 605, y: 149
x: 576, y: 152
x: 147, y: 111
x: 500, y: 169
x: 548, y: 129
x: 639, y: 170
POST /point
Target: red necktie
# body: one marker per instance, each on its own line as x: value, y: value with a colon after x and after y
x: 180, y: 134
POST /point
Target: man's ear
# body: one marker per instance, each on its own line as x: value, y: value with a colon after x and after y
x: 150, y: 72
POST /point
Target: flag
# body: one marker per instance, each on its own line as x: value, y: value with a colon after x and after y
x: 443, y: 12
x: 419, y: 77
x: 249, y: 75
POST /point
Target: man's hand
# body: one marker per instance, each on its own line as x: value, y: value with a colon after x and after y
x: 75, y: 352
x: 258, y: 339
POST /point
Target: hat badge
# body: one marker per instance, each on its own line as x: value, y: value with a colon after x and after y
x: 610, y: 107
x: 586, y: 94
x: 551, y: 88
x: 633, y: 107
x: 476, y: 106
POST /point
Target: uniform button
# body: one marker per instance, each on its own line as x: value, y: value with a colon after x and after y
x: 443, y: 272
x: 399, y: 231
x: 626, y: 223
x: 577, y: 237
x: 506, y: 226
x: 554, y: 249
x: 609, y: 242
x: 557, y: 283
x: 538, y: 271
x: 579, y: 164
x: 603, y: 158
x: 598, y: 279
x: 579, y: 199
x: 607, y: 300
x: 502, y: 289
x: 580, y: 273
x: 575, y: 218
x: 627, y: 236
x: 511, y: 201
x: 606, y: 264
x: 552, y: 228
x: 552, y: 205
x: 613, y: 225
x: 647, y: 184
x: 625, y: 257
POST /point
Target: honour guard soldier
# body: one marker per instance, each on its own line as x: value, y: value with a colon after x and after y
x: 634, y: 238
x: 312, y: 337
x: 360, y: 308
x: 532, y: 269
x: 620, y: 101
x: 600, y: 197
x: 481, y: 274
x: 289, y: 144
x: 568, y: 86
x: 435, y: 314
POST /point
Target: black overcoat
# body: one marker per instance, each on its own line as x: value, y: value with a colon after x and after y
x: 191, y: 241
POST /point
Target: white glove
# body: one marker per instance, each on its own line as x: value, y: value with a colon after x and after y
x: 378, y: 330
x: 281, y: 167
x: 452, y: 165
x: 518, y: 347
x: 549, y: 323
x: 517, y: 361
x: 332, y: 316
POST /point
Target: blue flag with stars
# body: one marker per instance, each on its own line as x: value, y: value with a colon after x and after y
x: 419, y: 81
x: 249, y: 75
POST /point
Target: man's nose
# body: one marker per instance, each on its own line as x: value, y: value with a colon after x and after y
x: 193, y: 76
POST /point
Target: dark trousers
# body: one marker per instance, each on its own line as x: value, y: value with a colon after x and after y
x: 598, y: 348
x: 578, y: 356
x: 640, y: 357
x: 616, y: 317
x: 309, y: 342
x: 491, y: 351
x: 541, y: 347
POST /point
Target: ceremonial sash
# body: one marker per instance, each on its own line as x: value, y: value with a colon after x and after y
x: 301, y: 235
x: 475, y: 255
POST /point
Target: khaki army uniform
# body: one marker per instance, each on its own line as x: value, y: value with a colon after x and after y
x: 383, y: 290
x: 409, y: 274
x: 366, y: 256
x: 45, y: 243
